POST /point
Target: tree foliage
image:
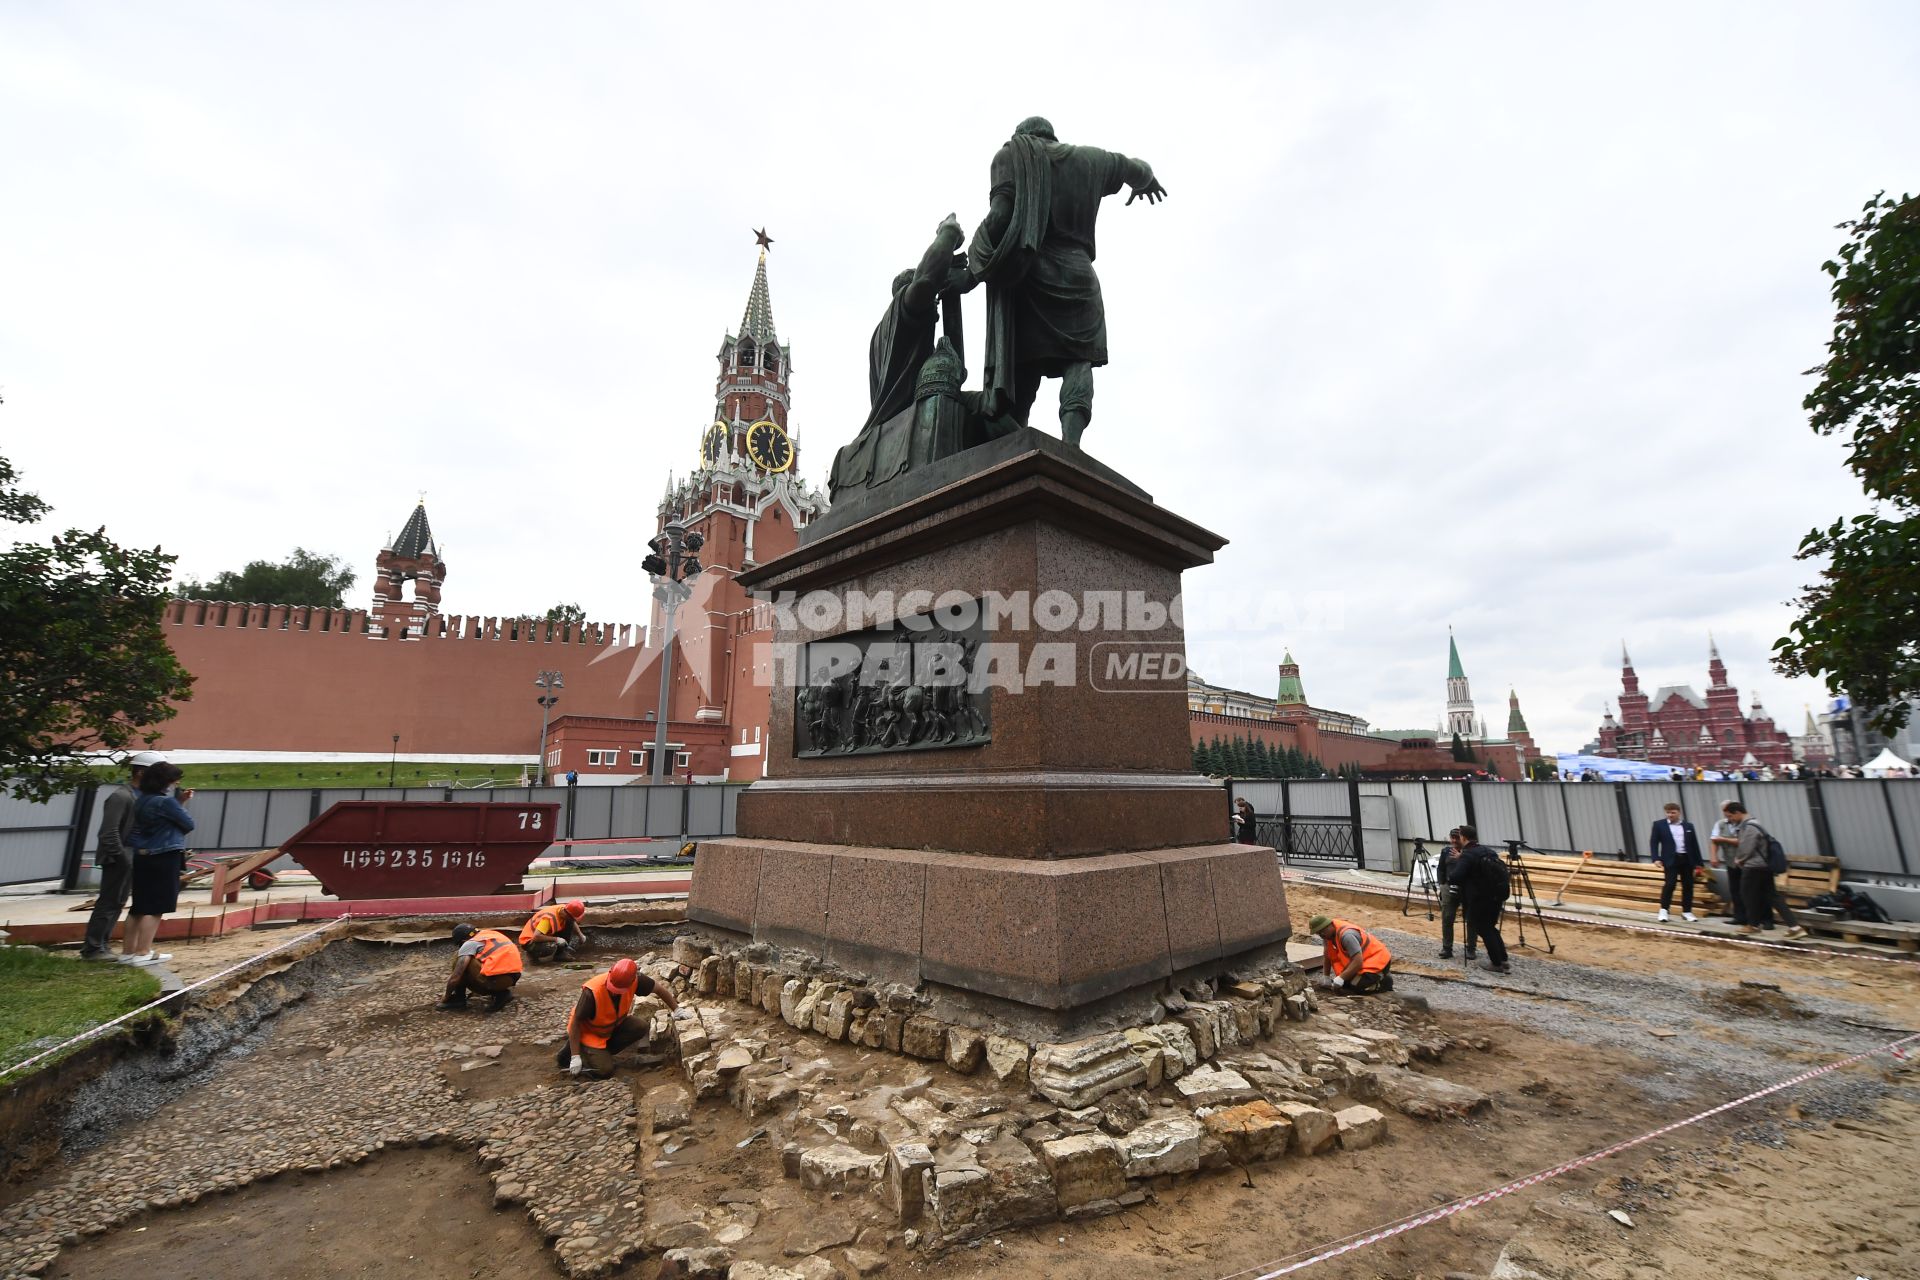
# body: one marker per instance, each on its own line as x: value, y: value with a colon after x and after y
x: 84, y: 662
x: 1459, y: 752
x: 1859, y: 625
x: 302, y: 578
x: 564, y: 613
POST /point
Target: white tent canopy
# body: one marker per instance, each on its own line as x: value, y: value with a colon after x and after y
x: 1887, y: 765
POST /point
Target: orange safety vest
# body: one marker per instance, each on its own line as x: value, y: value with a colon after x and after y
x: 554, y: 917
x: 497, y: 954
x: 610, y: 1009
x: 1373, y: 955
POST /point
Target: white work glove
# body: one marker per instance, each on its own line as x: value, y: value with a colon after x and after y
x: 1338, y: 981
x: 574, y: 1067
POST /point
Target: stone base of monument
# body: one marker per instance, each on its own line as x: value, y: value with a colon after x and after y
x: 1047, y: 949
x: 1036, y: 854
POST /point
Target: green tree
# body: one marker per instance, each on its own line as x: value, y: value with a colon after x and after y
x: 1217, y: 753
x: 85, y: 660
x: 566, y: 613
x: 302, y: 578
x: 1199, y: 758
x: 1460, y: 752
x: 1856, y: 625
x: 1258, y: 758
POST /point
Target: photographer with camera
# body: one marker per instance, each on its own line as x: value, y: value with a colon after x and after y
x: 1483, y: 881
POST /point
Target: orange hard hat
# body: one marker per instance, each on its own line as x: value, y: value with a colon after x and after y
x: 624, y: 976
x: 576, y: 909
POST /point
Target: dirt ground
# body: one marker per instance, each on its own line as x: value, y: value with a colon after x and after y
x: 442, y: 1226
x: 1821, y: 1181
x: 1612, y: 1035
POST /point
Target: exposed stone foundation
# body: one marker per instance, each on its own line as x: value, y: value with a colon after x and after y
x: 1014, y: 1132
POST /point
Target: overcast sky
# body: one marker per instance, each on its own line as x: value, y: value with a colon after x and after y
x: 1484, y: 315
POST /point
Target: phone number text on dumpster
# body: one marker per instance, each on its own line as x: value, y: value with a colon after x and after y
x: 424, y: 858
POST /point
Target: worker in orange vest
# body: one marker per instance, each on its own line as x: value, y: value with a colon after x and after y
x: 487, y: 964
x: 1356, y: 960
x: 603, y: 1022
x: 553, y: 932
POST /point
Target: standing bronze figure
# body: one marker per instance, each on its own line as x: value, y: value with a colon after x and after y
x: 1034, y: 252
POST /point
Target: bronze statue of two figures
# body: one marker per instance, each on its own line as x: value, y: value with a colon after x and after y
x: 1034, y: 253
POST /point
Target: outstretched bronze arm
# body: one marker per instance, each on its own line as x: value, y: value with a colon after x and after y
x: 1140, y: 178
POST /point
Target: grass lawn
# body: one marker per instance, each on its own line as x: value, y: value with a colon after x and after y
x: 328, y: 774
x: 44, y: 998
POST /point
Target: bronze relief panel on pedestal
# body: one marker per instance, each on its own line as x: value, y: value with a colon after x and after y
x: 907, y: 687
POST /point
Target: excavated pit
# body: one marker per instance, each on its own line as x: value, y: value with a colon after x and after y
x: 743, y: 1131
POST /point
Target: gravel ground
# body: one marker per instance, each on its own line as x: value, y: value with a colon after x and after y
x: 1717, y: 1048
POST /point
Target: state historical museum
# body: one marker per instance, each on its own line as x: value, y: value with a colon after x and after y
x: 1677, y: 726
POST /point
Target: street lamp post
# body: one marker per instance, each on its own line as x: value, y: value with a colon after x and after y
x: 670, y: 565
x: 393, y: 759
x: 549, y: 683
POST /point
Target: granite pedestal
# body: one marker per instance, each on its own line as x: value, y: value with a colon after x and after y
x: 1060, y: 873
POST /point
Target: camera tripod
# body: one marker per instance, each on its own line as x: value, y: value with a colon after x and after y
x: 1522, y: 883
x: 1420, y: 876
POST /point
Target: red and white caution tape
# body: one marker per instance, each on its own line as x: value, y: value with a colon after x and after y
x: 1340, y: 1248
x: 93, y: 1032
x: 1802, y: 948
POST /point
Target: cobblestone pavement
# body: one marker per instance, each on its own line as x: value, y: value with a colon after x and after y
x: 324, y: 1091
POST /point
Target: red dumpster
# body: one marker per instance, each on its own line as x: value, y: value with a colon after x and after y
x: 399, y: 849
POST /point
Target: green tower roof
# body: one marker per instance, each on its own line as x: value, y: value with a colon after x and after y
x: 1516, y: 723
x: 1291, y: 692
x: 1454, y: 670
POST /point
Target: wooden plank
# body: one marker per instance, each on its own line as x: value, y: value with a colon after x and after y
x: 1866, y: 933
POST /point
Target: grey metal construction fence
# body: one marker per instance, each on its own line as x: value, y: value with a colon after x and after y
x: 1309, y: 823
x: 50, y: 841
x: 1871, y: 825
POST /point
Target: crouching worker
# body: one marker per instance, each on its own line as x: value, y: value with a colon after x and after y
x: 554, y: 932
x: 488, y: 964
x: 1356, y: 960
x: 603, y: 1022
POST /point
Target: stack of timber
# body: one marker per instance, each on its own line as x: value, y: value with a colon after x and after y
x: 1899, y: 934
x: 1602, y: 882
x: 1809, y: 877
x: 1635, y: 886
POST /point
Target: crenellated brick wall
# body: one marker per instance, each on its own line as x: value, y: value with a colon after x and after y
x: 298, y: 678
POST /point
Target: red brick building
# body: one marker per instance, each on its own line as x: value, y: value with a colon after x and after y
x: 1677, y: 726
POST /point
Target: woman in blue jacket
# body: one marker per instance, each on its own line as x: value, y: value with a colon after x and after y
x: 159, y: 844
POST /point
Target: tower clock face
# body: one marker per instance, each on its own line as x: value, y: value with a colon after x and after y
x: 768, y: 446
x: 714, y: 442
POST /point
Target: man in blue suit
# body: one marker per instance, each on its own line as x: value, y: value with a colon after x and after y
x: 1677, y: 849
